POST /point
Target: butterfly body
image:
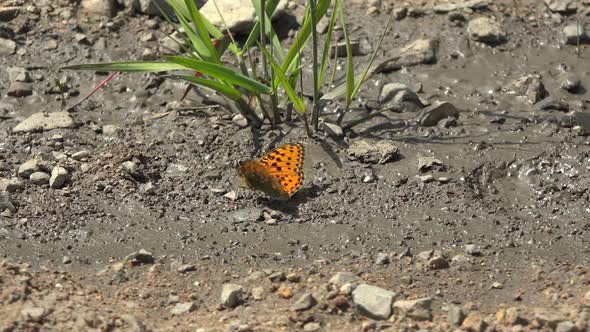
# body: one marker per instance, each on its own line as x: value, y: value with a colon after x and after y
x: 279, y: 173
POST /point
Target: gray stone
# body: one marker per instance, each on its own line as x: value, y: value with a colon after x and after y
x: 568, y: 81
x: 397, y: 93
x: 113, y: 130
x: 27, y: 168
x: 429, y: 163
x: 239, y: 15
x: 152, y: 7
x: 81, y: 155
x: 431, y: 115
x: 566, y: 326
x: 184, y: 268
x: 18, y: 74
x: 400, y: 13
x: 552, y: 104
x: 240, y: 120
x: 473, y: 250
x: 250, y: 214
x: 382, y: 259
x: 141, y: 257
x: 175, y: 170
x: 426, y: 178
x: 19, y: 89
x: 373, y: 302
x: 133, y: 324
x: 7, y: 47
x: 255, y: 276
x: 258, y: 293
x: 425, y: 255
x: 45, y: 121
x: 6, y: 203
x: 312, y: 327
x: 231, y: 295
x: 438, y: 263
x: 419, y: 309
x: 576, y: 33
x: 333, y: 130
x: 529, y: 86
x: 340, y: 49
x: 341, y: 278
x: 59, y: 177
x: 455, y: 315
x: 486, y: 30
x: 101, y: 8
x: 33, y: 313
x: 561, y: 6
x: 66, y: 260
x: 11, y: 185
x: 183, y: 308
x: 305, y: 302
x: 39, y: 178
x: 371, y: 151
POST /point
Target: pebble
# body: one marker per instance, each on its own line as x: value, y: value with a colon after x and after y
x: 419, y: 309
x: 430, y: 163
x: 474, y: 322
x: 561, y: 6
x: 7, y: 47
x: 240, y: 120
x: 530, y: 86
x: 33, y: 313
x: 312, y: 327
x: 431, y: 115
x: 231, y: 295
x: 39, y: 178
x: 455, y: 315
x: 81, y: 155
x: 566, y: 326
x: 568, y: 81
x: 473, y: 250
x: 372, y: 301
x: 486, y: 30
x: 285, y: 292
x: 497, y: 285
x: 141, y: 257
x: 552, y: 104
x: 258, y: 293
x: 250, y: 214
x: 59, y: 177
x: 19, y: 89
x: 341, y: 278
x: 11, y: 185
x: 99, y: 8
x: 575, y: 33
x: 27, y: 168
x: 398, y: 93
x: 333, y: 130
x: 113, y: 130
x: 426, y: 178
x: 305, y: 302
x: 254, y: 276
x: 18, y: 74
x: 183, y: 308
x: 186, y: 268
x: 438, y: 263
x: 371, y: 151
x: 45, y: 121
x: 66, y: 260
x: 420, y: 51
x: 382, y: 259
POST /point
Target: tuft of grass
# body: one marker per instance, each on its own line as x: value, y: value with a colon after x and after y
x: 203, y: 45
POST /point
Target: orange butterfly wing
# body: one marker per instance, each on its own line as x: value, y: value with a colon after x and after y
x: 285, y: 165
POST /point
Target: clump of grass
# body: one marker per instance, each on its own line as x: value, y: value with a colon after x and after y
x: 275, y: 90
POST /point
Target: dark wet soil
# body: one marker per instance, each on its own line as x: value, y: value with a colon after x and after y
x: 514, y: 181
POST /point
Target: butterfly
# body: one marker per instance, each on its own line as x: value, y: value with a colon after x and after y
x: 278, y: 173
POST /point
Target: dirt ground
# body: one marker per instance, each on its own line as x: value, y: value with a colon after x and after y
x: 485, y: 215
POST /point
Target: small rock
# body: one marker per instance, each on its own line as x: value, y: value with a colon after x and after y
x: 455, y: 315
x: 311, y: 327
x: 400, y: 13
x: 548, y: 318
x: 419, y: 309
x: 18, y: 74
x: 285, y: 292
x: 568, y: 81
x: 19, y: 89
x: 420, y: 51
x: 7, y: 47
x: 474, y: 322
x: 176, y: 170
x: 486, y: 30
x: 425, y: 255
x: 11, y: 185
x: 552, y: 104
x: 27, y: 168
x: 258, y: 293
x: 373, y: 302
x: 240, y: 120
x: 81, y: 155
x: 382, y: 259
x: 566, y: 326
x: 341, y: 278
x: 254, y: 276
x: 305, y: 302
x: 400, y: 94
x: 239, y: 16
x: 561, y: 6
x: 66, y: 260
x: 371, y: 152
x: 248, y: 214
x: 333, y: 130
x: 473, y: 250
x: 141, y: 257
x: 426, y: 178
x: 346, y: 289
x: 530, y: 86
x: 497, y: 285
x: 438, y: 263
x: 575, y: 34
x: 339, y: 49
x: 33, y: 314
x: 430, y: 163
x: 183, y: 308
x: 231, y: 295
x: 277, y: 276
x: 99, y: 8
x: 59, y: 177
x: 431, y: 115
x: 45, y: 121
x: 184, y: 268
x: 113, y: 130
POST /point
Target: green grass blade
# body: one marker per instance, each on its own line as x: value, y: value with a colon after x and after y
x: 349, y: 64
x: 203, y: 34
x: 222, y: 73
x: 222, y: 88
x: 304, y: 33
x: 131, y: 66
x: 271, y: 6
x: 268, y: 25
x: 295, y: 99
x: 361, y: 79
x: 325, y: 53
